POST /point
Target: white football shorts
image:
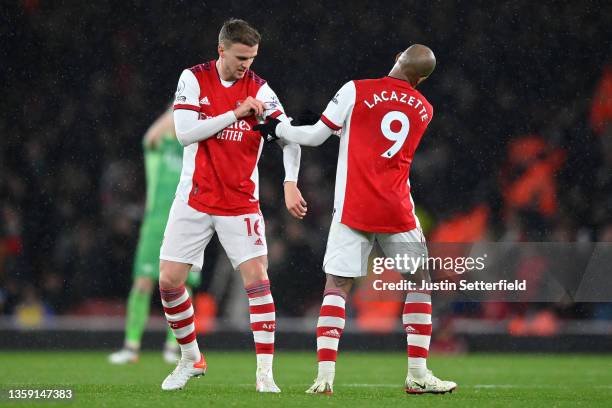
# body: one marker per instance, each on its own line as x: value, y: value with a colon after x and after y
x: 348, y: 249
x: 189, y: 231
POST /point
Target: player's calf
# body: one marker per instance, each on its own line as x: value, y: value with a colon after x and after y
x: 329, y: 330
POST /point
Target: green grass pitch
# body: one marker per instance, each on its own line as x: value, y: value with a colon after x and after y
x: 362, y: 379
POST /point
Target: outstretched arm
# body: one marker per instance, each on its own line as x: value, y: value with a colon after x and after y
x: 313, y: 135
x: 332, y: 120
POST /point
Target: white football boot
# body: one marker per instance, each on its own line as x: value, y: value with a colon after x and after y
x: 324, y: 384
x: 185, y: 369
x: 428, y: 384
x: 123, y: 356
x: 264, y: 382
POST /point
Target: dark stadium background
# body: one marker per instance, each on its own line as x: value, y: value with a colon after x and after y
x: 518, y: 84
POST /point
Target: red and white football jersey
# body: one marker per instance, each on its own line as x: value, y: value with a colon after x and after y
x: 381, y: 122
x: 219, y: 175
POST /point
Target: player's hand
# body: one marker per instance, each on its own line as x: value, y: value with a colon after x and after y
x: 296, y: 205
x: 268, y: 129
x: 250, y: 106
x: 152, y: 139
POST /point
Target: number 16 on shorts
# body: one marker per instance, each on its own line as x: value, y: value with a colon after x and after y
x: 243, y: 237
x: 254, y: 226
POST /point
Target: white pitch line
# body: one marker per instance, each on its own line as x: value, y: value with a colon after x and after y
x: 483, y: 386
x: 371, y: 385
x: 357, y: 385
x: 476, y: 386
x: 523, y: 386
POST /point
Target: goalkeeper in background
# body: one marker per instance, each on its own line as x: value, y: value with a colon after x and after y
x: 163, y: 162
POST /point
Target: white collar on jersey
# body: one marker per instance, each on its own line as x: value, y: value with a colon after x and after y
x: 226, y: 84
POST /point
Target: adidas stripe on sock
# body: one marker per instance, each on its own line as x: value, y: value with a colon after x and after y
x: 416, y: 319
x: 329, y: 328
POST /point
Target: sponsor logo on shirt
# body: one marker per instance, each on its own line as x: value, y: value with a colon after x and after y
x: 234, y: 132
x: 179, y: 92
x: 272, y: 104
x: 204, y: 101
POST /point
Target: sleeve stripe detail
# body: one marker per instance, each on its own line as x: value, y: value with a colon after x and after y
x: 275, y: 114
x: 329, y: 123
x: 187, y: 107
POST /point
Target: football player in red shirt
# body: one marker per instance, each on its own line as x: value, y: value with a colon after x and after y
x: 216, y: 105
x: 380, y: 123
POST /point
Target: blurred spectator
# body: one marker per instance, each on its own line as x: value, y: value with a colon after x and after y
x: 528, y: 184
x: 601, y: 111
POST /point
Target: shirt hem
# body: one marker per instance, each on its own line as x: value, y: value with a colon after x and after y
x: 379, y: 228
x: 225, y: 212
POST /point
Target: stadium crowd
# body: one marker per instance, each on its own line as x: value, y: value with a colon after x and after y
x: 520, y: 148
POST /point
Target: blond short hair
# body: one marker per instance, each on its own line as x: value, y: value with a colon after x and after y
x: 238, y: 31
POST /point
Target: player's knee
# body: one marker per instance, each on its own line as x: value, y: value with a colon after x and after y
x: 172, y: 274
x: 254, y: 270
x: 261, y: 269
x: 169, y: 282
x: 339, y: 282
x: 256, y: 274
